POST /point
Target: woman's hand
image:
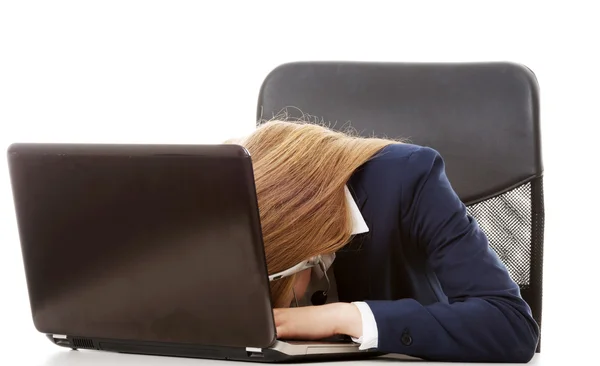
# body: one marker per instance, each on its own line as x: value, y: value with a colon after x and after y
x: 316, y: 322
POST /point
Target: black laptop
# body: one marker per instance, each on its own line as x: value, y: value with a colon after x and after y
x: 149, y: 249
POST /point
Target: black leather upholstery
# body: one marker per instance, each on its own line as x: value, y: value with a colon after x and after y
x: 482, y: 117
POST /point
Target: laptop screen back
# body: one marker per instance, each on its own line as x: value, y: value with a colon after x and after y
x: 145, y: 243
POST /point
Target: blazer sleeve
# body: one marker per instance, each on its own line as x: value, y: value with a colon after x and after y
x: 485, y: 319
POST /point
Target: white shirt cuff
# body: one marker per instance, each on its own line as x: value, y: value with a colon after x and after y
x: 369, y: 338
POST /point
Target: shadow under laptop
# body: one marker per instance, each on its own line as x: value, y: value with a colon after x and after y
x: 100, y: 358
x: 97, y: 358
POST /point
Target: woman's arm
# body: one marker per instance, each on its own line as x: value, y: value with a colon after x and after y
x: 486, y: 319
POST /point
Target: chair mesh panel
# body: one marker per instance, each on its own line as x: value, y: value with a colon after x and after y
x: 506, y: 220
x: 514, y: 224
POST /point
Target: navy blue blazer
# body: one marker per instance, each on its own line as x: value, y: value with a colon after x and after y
x: 436, y: 288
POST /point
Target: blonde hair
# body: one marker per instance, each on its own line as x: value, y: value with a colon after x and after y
x: 300, y: 171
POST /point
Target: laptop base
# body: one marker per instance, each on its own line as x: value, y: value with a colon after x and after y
x: 281, y: 352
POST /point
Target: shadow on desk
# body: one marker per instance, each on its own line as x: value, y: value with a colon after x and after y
x: 102, y: 358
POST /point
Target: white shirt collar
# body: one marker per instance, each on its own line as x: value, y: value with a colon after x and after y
x: 359, y: 225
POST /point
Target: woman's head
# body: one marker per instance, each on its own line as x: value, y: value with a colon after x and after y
x: 300, y: 170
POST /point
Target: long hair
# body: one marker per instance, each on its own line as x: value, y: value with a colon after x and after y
x: 300, y: 170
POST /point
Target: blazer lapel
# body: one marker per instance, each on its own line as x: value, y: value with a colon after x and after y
x: 358, y: 193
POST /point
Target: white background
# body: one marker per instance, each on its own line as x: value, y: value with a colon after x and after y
x: 190, y: 71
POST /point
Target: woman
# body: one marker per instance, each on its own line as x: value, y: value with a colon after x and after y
x: 421, y: 281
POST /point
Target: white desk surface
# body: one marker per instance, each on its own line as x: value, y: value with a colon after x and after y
x: 62, y: 357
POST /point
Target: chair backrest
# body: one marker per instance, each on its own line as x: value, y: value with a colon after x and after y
x: 482, y: 117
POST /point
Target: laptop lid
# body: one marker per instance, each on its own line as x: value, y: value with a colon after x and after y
x: 156, y: 243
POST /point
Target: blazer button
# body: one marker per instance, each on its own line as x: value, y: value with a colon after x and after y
x: 406, y: 339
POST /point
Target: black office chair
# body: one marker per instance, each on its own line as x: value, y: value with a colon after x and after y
x: 482, y: 117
